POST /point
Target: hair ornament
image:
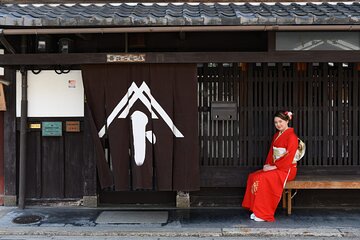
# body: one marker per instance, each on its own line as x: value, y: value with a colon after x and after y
x: 289, y: 114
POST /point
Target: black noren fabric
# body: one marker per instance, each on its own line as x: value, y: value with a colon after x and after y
x: 151, y: 115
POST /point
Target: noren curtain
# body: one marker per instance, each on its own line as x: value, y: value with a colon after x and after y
x: 148, y: 113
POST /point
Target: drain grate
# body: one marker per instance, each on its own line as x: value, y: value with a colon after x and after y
x: 26, y: 219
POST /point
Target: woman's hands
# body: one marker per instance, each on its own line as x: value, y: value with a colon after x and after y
x: 268, y: 167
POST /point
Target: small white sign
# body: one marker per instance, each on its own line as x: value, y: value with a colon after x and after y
x: 126, y: 58
x: 72, y: 83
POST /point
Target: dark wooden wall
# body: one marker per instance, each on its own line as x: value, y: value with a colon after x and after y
x: 57, y: 167
x: 323, y: 97
x: 10, y: 161
x: 55, y: 164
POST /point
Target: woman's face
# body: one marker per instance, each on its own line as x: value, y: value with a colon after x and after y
x: 280, y: 124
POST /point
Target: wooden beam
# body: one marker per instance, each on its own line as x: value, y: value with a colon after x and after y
x: 325, y: 182
x: 182, y: 57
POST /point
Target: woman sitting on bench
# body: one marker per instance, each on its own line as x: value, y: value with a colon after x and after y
x: 264, y: 187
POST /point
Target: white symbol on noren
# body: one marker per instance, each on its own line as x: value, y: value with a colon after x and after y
x: 139, y: 120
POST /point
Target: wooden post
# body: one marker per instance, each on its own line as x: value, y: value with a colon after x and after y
x: 284, y: 199
x: 289, y: 202
x: 23, y: 142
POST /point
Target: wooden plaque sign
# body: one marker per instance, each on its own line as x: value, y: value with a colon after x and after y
x: 52, y: 129
x: 2, y: 98
x: 125, y: 58
x: 72, y: 126
x: 35, y: 126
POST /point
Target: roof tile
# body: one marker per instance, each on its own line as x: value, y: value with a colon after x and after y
x: 178, y: 14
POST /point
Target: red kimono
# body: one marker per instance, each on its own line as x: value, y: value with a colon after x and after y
x: 264, y: 188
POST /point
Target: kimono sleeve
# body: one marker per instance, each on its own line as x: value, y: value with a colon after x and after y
x: 269, y: 158
x: 284, y: 163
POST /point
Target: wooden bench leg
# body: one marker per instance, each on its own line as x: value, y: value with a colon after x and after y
x: 289, y: 202
x: 284, y: 199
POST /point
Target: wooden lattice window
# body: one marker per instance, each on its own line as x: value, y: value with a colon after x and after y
x: 323, y: 96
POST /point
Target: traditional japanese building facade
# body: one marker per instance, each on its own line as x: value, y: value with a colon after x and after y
x: 143, y: 102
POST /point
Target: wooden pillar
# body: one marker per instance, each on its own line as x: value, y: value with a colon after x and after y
x: 10, y: 164
x: 90, y: 197
x: 23, y: 138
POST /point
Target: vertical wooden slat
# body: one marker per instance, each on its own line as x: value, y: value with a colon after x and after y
x: 211, y: 127
x: 313, y: 117
x: 301, y: 113
x: 356, y: 115
x: 323, y: 108
x: 280, y: 88
x: 250, y: 118
x: 242, y: 102
x: 226, y: 124
x: 346, y: 146
x: 200, y: 113
x: 328, y: 110
x: 235, y: 124
x: 207, y: 133
x: 310, y: 116
x: 220, y: 80
x: 338, y: 75
x: 331, y: 125
x: 317, y: 116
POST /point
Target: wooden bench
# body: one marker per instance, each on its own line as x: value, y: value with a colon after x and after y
x: 318, y: 182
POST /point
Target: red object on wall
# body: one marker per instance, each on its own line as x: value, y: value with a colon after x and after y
x: 1, y: 158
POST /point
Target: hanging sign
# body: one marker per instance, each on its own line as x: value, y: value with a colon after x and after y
x: 72, y: 126
x: 126, y: 58
x: 51, y: 129
x: 2, y: 98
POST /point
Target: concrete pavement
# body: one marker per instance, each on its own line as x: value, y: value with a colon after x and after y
x: 80, y: 222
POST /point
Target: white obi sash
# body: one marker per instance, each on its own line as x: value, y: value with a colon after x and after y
x: 278, y: 152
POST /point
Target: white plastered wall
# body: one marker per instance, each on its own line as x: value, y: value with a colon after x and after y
x: 52, y: 95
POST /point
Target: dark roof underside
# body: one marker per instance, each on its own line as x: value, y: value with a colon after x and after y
x: 201, y: 14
